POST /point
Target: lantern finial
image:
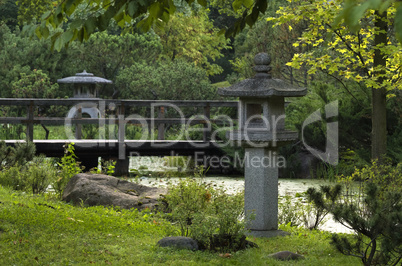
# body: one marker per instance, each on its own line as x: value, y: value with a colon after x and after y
x: 262, y: 67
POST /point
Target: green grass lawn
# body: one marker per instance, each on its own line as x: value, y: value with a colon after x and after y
x: 42, y: 230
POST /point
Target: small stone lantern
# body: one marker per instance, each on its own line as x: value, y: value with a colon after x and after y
x: 261, y: 130
x: 84, y: 88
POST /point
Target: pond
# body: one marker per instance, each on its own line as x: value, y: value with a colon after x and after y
x: 232, y: 184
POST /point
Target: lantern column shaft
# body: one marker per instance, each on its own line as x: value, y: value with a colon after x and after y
x: 261, y: 191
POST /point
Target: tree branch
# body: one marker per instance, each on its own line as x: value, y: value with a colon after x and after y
x: 349, y: 47
x: 343, y: 84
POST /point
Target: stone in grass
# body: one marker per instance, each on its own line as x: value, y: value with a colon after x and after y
x: 180, y: 242
x: 286, y: 255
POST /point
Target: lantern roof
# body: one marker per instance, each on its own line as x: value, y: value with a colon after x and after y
x: 84, y: 78
x: 262, y: 85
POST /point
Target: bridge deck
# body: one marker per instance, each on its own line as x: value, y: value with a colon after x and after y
x: 110, y: 148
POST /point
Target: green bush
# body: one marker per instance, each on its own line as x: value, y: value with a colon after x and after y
x: 18, y: 155
x: 106, y: 168
x: 209, y: 215
x: 12, y: 178
x: 68, y: 168
x: 35, y: 176
x: 299, y: 212
x: 40, y: 173
x: 373, y: 211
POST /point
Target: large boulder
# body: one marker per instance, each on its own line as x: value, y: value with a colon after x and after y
x: 97, y: 189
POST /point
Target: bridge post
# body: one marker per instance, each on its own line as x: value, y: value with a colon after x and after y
x: 30, y: 120
x: 161, y: 126
x: 207, y: 130
x: 78, y: 128
x: 89, y: 162
x: 121, y: 133
x: 122, y: 167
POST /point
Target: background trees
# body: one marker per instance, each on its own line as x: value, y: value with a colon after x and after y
x: 369, y: 57
x: 182, y: 52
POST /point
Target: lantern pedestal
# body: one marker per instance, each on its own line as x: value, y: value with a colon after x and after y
x: 261, y: 191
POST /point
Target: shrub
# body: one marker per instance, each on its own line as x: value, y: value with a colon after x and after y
x: 106, y: 168
x: 40, y: 173
x: 209, y: 215
x: 20, y: 154
x: 68, y: 168
x: 35, y: 176
x: 298, y: 212
x: 374, y: 212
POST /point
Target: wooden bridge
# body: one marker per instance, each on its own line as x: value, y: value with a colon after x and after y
x: 150, y: 119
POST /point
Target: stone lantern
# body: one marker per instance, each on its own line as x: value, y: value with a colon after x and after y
x: 84, y: 88
x: 261, y: 130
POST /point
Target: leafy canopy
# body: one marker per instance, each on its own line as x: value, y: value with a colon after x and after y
x: 354, y: 11
x: 338, y: 51
x: 144, y: 13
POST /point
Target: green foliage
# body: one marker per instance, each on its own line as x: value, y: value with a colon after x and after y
x: 143, y: 13
x: 207, y: 214
x: 29, y: 10
x: 105, y: 54
x: 176, y: 80
x: 141, y: 171
x: 34, y: 85
x: 32, y: 174
x: 351, y: 54
x: 374, y: 212
x: 39, y: 174
x: 388, y: 177
x: 289, y: 212
x: 20, y: 55
x: 68, y: 168
x: 106, y: 167
x: 9, y: 13
x: 297, y: 211
x: 18, y: 155
x: 193, y: 39
x: 276, y: 41
x: 353, y: 12
x: 368, y: 56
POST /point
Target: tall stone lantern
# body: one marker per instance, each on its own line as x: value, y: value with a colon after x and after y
x: 85, y: 88
x: 261, y: 131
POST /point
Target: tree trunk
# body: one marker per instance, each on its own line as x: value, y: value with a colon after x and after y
x: 379, y: 108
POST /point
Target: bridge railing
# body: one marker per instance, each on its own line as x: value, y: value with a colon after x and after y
x: 117, y: 111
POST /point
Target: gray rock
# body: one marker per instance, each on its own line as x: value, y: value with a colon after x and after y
x: 179, y: 242
x: 96, y: 189
x: 286, y: 255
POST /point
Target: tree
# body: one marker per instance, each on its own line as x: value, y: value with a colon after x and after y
x: 34, y: 85
x: 194, y: 39
x: 374, y: 212
x: 29, y: 10
x: 9, y: 13
x: 368, y: 57
x: 20, y: 54
x: 146, y: 12
x: 177, y: 80
x: 105, y: 55
x: 353, y: 12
